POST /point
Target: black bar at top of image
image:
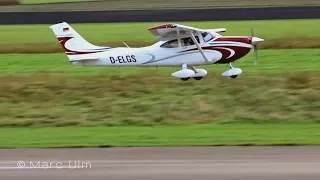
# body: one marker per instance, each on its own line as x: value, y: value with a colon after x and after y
x: 160, y: 15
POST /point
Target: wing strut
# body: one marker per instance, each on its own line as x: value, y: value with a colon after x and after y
x: 199, y: 48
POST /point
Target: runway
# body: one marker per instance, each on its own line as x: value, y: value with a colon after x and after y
x: 169, y: 15
x: 185, y: 163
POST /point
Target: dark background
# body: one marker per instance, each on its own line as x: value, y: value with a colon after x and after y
x: 160, y: 15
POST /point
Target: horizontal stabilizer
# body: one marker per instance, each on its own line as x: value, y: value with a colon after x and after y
x: 73, y: 60
x: 84, y: 58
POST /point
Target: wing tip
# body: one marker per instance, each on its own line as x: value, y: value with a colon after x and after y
x: 163, y: 26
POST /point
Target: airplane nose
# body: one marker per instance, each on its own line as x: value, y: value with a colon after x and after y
x: 256, y: 40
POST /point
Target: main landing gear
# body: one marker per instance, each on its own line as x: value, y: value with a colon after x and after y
x: 198, y: 78
x: 185, y: 73
x: 232, y: 72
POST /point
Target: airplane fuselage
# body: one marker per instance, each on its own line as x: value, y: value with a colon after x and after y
x: 220, y: 50
x: 177, y: 45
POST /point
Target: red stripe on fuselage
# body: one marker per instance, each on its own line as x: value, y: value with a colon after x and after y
x: 239, y: 52
x: 63, y: 41
x: 246, y: 40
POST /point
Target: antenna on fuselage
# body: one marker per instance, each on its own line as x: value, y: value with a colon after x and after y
x: 125, y: 44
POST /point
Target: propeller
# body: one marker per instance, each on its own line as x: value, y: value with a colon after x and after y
x: 254, y: 41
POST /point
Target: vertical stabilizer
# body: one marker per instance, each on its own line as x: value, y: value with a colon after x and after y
x: 72, y: 42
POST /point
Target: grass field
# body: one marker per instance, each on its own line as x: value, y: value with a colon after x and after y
x: 269, y: 62
x: 45, y: 90
x: 275, y: 102
x: 277, y: 33
x: 150, y: 4
x: 195, y: 135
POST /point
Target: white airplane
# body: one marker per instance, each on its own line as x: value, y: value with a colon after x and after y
x: 177, y: 45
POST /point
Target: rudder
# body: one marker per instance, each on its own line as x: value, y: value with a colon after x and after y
x: 72, y: 42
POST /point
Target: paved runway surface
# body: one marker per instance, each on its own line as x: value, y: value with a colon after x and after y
x: 169, y: 15
x: 201, y: 163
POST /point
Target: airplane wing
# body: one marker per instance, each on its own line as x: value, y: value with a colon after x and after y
x: 171, y: 31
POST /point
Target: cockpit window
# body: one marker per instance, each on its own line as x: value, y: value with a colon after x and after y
x: 188, y: 41
x: 207, y: 37
x: 170, y: 44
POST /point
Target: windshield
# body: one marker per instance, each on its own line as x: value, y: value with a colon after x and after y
x: 207, y: 37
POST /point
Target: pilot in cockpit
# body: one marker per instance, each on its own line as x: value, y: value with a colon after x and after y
x: 187, y: 41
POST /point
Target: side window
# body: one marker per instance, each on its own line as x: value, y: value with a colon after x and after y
x: 170, y: 44
x: 207, y: 37
x: 188, y: 41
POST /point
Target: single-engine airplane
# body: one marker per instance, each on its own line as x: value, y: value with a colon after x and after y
x: 177, y: 45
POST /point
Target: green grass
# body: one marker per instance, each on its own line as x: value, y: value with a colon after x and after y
x: 39, y: 38
x: 45, y: 90
x: 150, y: 4
x: 269, y: 62
x: 273, y: 103
x: 195, y: 135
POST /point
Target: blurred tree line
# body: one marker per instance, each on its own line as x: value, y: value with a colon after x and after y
x: 10, y: 2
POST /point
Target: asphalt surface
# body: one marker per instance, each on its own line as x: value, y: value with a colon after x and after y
x: 161, y: 15
x: 221, y: 163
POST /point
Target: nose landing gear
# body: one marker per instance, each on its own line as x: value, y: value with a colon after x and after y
x: 232, y: 72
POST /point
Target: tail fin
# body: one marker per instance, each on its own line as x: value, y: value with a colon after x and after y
x: 72, y: 42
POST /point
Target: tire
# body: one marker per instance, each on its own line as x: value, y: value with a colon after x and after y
x: 185, y: 79
x: 198, y: 78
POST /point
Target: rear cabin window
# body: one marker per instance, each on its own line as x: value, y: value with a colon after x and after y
x: 170, y: 44
x: 188, y: 41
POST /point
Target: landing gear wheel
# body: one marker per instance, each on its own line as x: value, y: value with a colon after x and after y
x: 185, y: 79
x: 234, y: 76
x: 198, y: 78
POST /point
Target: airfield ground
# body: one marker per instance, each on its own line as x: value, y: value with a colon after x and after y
x: 45, y: 90
x: 279, y: 95
x: 47, y: 102
x: 156, y: 136
x: 158, y: 163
